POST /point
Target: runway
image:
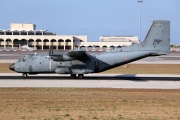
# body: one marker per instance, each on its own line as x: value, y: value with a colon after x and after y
x: 134, y: 81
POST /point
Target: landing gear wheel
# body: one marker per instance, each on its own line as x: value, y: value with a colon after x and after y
x: 73, y: 76
x: 24, y: 75
x: 80, y: 76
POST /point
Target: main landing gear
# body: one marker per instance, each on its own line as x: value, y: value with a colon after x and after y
x: 80, y: 76
x: 24, y: 75
x: 73, y: 76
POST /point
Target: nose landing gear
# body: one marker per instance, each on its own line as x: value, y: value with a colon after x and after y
x: 24, y: 75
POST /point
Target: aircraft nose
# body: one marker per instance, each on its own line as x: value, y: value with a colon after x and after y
x: 12, y: 67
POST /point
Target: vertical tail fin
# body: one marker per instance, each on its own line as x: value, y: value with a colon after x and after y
x: 157, y: 39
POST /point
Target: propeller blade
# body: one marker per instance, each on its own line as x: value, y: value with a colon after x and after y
x: 51, y: 50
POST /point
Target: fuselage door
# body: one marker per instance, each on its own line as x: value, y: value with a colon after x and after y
x: 96, y: 66
x: 30, y: 68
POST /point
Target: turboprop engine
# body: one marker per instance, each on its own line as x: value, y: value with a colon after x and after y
x: 58, y: 57
x: 61, y: 58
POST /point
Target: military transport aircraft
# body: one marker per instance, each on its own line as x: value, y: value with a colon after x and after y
x: 79, y: 62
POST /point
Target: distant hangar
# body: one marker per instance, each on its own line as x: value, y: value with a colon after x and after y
x: 26, y: 34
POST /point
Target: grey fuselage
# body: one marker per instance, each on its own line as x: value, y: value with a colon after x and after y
x: 41, y: 63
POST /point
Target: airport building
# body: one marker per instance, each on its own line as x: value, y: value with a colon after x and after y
x: 26, y: 34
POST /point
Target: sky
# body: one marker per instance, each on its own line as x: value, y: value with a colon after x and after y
x: 93, y: 18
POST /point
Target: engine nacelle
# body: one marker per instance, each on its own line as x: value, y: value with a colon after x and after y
x: 61, y: 58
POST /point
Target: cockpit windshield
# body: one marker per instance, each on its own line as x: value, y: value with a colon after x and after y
x: 22, y: 59
x: 25, y: 57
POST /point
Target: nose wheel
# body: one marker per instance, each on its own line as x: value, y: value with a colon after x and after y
x: 24, y: 75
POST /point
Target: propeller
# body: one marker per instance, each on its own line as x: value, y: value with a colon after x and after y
x: 51, y: 51
x: 50, y: 55
x: 57, y: 57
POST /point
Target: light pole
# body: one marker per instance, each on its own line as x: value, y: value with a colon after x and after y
x: 140, y: 1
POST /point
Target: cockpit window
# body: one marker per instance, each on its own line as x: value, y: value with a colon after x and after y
x: 22, y: 59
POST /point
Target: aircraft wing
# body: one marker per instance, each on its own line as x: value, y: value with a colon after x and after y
x: 78, y: 54
x: 75, y: 54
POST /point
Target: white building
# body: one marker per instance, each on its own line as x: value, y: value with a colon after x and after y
x: 26, y: 34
